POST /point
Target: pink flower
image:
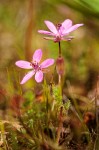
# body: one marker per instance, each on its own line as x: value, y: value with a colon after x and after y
x: 60, y: 31
x: 37, y: 68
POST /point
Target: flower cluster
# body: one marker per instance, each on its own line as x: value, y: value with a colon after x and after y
x: 56, y: 33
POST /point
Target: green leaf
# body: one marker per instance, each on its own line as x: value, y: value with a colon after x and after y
x: 67, y: 105
x: 57, y: 94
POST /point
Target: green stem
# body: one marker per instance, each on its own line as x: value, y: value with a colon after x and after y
x: 59, y: 49
x: 59, y: 76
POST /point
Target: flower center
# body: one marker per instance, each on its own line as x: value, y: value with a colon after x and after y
x: 35, y: 66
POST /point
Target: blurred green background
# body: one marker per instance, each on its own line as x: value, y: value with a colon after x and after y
x: 19, y: 22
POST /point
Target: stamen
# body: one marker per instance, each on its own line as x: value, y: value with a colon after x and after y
x: 58, y: 26
x: 35, y: 65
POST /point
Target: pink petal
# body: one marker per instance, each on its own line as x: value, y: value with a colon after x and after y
x: 51, y: 26
x: 74, y: 27
x: 37, y: 55
x: 45, y: 32
x: 66, y: 24
x: 23, y: 64
x: 39, y: 76
x: 27, y: 77
x: 49, y: 38
x: 69, y: 38
x: 47, y: 63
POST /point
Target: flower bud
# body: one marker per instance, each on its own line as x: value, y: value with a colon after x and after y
x: 60, y: 65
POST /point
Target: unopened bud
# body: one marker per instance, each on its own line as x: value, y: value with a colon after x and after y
x: 60, y: 65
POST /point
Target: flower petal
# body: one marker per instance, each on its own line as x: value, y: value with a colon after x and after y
x: 47, y: 63
x: 69, y: 38
x: 49, y: 38
x: 37, y: 55
x: 51, y: 26
x: 66, y: 25
x: 27, y: 77
x: 45, y: 32
x: 23, y: 64
x: 39, y: 76
x: 74, y: 27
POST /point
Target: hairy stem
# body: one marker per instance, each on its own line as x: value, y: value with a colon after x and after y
x: 60, y: 124
x: 96, y: 107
